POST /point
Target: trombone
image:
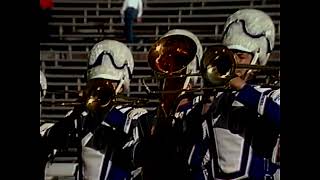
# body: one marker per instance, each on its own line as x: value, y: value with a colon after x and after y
x: 218, y: 65
x: 118, y: 100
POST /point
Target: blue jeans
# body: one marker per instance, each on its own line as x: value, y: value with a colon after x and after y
x: 130, y: 16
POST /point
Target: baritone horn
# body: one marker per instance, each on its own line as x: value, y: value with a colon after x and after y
x: 218, y: 65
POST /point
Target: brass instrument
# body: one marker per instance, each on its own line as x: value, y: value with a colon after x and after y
x: 218, y: 65
x: 119, y: 99
x: 169, y: 57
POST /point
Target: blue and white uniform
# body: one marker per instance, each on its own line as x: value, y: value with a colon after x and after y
x: 241, y: 140
x: 107, y: 147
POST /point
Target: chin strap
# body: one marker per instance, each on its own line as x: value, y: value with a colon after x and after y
x: 253, y: 62
x: 186, y: 83
x: 119, y: 86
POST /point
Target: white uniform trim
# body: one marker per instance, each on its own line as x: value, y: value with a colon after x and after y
x: 228, y: 145
x: 92, y: 158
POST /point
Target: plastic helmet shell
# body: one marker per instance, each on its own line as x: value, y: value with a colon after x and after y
x: 250, y: 30
x: 111, y: 59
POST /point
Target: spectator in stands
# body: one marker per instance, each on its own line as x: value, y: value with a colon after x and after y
x: 45, y: 17
x: 131, y: 10
x: 107, y: 131
x: 239, y: 127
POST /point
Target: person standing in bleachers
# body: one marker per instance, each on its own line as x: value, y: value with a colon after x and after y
x: 131, y: 10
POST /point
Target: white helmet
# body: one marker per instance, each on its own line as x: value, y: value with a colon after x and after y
x: 113, y: 60
x: 43, y: 85
x: 250, y: 30
x: 194, y: 65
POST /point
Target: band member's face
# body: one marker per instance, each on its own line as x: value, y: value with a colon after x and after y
x: 242, y: 58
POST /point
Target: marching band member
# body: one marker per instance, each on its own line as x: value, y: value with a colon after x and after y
x: 174, y: 55
x: 239, y: 128
x: 106, y: 131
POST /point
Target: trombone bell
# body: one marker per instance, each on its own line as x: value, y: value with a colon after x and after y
x: 218, y: 65
x: 172, y: 54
